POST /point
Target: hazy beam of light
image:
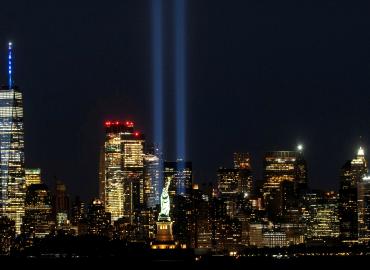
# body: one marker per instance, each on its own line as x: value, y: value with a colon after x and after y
x: 157, y: 62
x: 157, y: 82
x: 180, y: 75
x: 180, y: 81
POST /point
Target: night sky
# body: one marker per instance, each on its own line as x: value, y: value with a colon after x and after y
x: 261, y: 75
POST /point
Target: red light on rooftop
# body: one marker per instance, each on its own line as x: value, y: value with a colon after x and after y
x: 136, y: 134
x: 117, y: 122
x: 108, y: 123
x: 129, y: 124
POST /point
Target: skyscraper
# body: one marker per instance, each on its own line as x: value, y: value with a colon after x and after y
x: 228, y: 187
x: 99, y: 222
x: 351, y: 174
x: 242, y: 163
x: 122, y: 183
x: 37, y: 221
x: 152, y: 181
x: 322, y: 220
x: 180, y: 173
x: 32, y: 176
x: 363, y: 200
x: 280, y: 167
x: 228, y: 181
x: 12, y: 182
x: 77, y: 211
x: 61, y: 204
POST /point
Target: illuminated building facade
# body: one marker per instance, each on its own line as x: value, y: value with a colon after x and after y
x: 122, y: 183
x: 228, y: 181
x: 256, y: 235
x: 183, y: 217
x: 226, y: 231
x: 152, y: 181
x: 323, y: 217
x: 37, y: 221
x: 202, y: 228
x: 363, y: 200
x: 32, y: 176
x: 98, y: 220
x: 282, y: 167
x: 61, y: 205
x: 180, y: 173
x: 78, y: 211
x: 7, y: 235
x: 351, y: 174
x: 274, y: 238
x: 228, y: 186
x: 12, y: 182
x: 242, y: 163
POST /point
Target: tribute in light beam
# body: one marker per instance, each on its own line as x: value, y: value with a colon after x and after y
x: 157, y: 80
x: 180, y: 85
x: 10, y: 59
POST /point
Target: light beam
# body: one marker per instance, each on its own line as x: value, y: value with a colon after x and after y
x: 180, y: 83
x: 157, y: 81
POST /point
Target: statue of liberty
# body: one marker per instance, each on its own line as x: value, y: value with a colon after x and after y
x: 164, y: 215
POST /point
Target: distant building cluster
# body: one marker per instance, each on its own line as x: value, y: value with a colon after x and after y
x: 234, y: 212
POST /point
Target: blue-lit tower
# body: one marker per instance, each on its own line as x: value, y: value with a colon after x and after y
x: 12, y: 175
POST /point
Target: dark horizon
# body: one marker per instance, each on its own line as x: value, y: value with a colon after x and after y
x: 261, y: 76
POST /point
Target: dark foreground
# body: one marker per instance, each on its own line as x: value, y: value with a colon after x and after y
x: 187, y: 262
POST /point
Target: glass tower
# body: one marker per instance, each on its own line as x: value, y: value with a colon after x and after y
x: 363, y: 200
x: 352, y: 174
x: 12, y: 175
x: 121, y: 179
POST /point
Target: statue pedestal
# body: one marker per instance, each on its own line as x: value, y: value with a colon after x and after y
x: 164, y: 231
x: 164, y: 238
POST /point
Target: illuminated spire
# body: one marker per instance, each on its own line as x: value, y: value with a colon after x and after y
x: 10, y: 61
x: 300, y: 147
x: 361, y: 152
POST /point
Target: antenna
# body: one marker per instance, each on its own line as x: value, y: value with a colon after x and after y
x: 10, y: 56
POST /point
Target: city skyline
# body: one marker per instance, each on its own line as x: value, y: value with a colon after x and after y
x: 184, y: 132
x: 250, y: 78
x: 259, y: 176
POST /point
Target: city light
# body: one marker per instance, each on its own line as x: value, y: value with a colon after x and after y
x: 361, y: 152
x: 300, y: 147
x: 10, y: 66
